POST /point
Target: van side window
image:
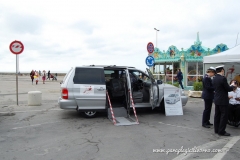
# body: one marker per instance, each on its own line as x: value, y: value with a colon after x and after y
x: 140, y: 75
x: 108, y: 74
x: 89, y: 76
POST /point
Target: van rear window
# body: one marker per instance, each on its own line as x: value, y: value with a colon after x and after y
x: 89, y: 76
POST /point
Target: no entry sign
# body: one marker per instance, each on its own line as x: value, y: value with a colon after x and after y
x: 16, y: 47
x: 150, y: 47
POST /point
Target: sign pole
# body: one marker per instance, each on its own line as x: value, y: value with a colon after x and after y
x: 16, y: 47
x: 17, y: 77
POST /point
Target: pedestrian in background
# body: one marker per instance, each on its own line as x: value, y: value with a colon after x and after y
x: 234, y: 106
x: 44, y: 76
x: 40, y: 73
x: 180, y: 77
x: 55, y: 77
x: 49, y: 74
x: 36, y: 76
x: 32, y: 73
x: 221, y: 101
x: 237, y: 78
x: 208, y: 95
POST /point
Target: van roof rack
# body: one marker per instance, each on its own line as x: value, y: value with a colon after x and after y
x: 108, y: 66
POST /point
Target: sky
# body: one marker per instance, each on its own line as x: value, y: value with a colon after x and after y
x: 60, y: 34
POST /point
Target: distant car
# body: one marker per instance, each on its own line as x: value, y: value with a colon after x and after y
x: 87, y: 88
x: 172, y: 99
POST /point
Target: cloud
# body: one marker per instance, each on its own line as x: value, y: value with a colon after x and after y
x: 84, y: 26
x: 23, y: 23
x: 95, y: 42
x: 58, y: 34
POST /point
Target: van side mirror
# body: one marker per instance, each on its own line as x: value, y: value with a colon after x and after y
x: 159, y: 81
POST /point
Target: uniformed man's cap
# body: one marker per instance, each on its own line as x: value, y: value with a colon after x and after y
x: 219, y: 67
x: 211, y: 69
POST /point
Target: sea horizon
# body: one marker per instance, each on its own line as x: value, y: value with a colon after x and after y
x: 25, y: 72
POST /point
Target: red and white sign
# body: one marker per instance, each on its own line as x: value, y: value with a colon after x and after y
x: 86, y: 90
x: 16, y: 47
x: 150, y: 47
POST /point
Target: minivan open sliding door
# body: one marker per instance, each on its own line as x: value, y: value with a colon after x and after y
x: 89, y: 88
x: 154, y: 90
x: 129, y: 90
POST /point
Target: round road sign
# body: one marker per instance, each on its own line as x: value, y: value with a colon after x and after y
x: 150, y: 61
x: 150, y: 47
x: 16, y: 47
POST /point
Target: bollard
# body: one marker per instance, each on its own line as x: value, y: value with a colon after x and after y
x: 34, y: 98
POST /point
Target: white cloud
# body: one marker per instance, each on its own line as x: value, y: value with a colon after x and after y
x: 58, y: 34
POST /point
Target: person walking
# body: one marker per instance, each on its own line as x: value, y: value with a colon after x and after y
x: 49, y: 74
x: 180, y: 77
x: 36, y: 76
x: 32, y: 73
x: 40, y: 74
x: 44, y: 76
x: 221, y: 101
x: 207, y: 96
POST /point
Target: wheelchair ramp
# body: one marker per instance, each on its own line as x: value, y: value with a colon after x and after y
x: 121, y: 117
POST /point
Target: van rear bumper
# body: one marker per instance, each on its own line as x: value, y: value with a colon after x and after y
x: 67, y: 104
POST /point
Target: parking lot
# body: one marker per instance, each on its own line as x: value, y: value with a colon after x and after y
x: 47, y: 132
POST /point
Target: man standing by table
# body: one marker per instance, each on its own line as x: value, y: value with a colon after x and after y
x: 221, y: 101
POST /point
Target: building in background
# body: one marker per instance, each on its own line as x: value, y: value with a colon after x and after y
x: 190, y: 61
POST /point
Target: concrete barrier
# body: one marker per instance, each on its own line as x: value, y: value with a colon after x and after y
x: 34, y: 98
x: 195, y: 94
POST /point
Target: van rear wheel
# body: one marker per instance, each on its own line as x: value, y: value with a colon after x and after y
x: 90, y: 114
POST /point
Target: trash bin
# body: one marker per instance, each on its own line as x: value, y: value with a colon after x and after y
x: 34, y: 98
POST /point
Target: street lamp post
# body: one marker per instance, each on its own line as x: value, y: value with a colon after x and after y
x: 183, y: 66
x: 156, y: 35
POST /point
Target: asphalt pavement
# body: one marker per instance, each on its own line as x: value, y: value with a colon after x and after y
x: 48, y: 132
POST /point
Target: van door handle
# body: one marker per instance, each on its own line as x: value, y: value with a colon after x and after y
x: 101, y: 89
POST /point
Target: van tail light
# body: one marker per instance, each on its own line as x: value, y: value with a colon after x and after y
x: 64, y: 93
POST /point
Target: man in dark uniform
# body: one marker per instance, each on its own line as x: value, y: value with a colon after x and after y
x: 221, y: 101
x: 207, y: 95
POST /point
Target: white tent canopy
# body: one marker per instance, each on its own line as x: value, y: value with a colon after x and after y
x: 230, y: 59
x: 231, y: 55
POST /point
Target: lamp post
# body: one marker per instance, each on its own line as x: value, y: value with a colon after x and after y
x: 156, y: 35
x: 183, y: 66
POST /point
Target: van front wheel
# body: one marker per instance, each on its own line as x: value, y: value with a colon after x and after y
x: 90, y: 114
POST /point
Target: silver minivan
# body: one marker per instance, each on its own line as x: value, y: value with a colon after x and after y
x: 87, y: 88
